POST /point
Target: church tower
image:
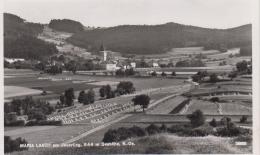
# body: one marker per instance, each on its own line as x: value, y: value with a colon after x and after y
x: 102, y: 49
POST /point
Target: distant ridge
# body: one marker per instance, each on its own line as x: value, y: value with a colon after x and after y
x: 154, y: 39
x: 127, y: 39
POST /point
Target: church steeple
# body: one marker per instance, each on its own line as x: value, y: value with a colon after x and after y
x: 102, y: 47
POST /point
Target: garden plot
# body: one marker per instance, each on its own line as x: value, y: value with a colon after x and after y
x: 205, y: 106
x: 13, y: 91
x: 235, y: 109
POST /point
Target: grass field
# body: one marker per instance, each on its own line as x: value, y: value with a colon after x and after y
x: 208, y: 108
x: 47, y: 85
x: 51, y: 135
x: 167, y: 106
x: 14, y: 91
x: 234, y: 108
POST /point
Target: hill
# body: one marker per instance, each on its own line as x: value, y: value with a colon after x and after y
x: 20, y: 39
x: 156, y: 39
x: 66, y: 25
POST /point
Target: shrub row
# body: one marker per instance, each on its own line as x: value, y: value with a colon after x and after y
x: 115, y: 135
x: 15, y: 123
x: 43, y: 122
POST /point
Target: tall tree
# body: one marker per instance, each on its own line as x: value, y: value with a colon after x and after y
x: 142, y: 100
x: 197, y: 118
x: 81, y: 96
x: 69, y: 96
x: 89, y: 97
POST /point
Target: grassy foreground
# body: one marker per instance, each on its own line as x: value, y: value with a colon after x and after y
x: 158, y: 144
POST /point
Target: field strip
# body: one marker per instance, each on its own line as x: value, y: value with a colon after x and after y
x: 186, y: 108
x: 28, y: 130
x: 96, y: 129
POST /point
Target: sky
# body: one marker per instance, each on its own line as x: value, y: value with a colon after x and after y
x: 106, y: 13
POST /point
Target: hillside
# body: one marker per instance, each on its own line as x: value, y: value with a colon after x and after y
x: 158, y: 144
x: 66, y: 25
x: 154, y: 39
x: 20, y: 39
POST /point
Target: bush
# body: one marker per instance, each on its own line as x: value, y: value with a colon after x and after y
x: 119, y: 134
x: 214, y: 99
x: 152, y: 129
x: 125, y: 87
x: 154, y: 73
x: 177, y: 128
x: 243, y: 119
x: 111, y: 136
x: 213, y: 78
x: 196, y: 118
x: 213, y: 122
x: 137, y: 131
x: 36, y: 114
x: 231, y: 131
x: 163, y: 74
x: 225, y: 121
x: 124, y: 133
x: 163, y: 128
x: 195, y: 132
x: 13, y: 145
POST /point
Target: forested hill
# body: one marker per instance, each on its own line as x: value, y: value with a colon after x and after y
x: 154, y: 39
x: 20, y: 39
x: 66, y: 25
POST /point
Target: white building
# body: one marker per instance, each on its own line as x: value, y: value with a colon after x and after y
x: 12, y: 60
x: 155, y: 64
x: 111, y: 67
x: 133, y: 64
